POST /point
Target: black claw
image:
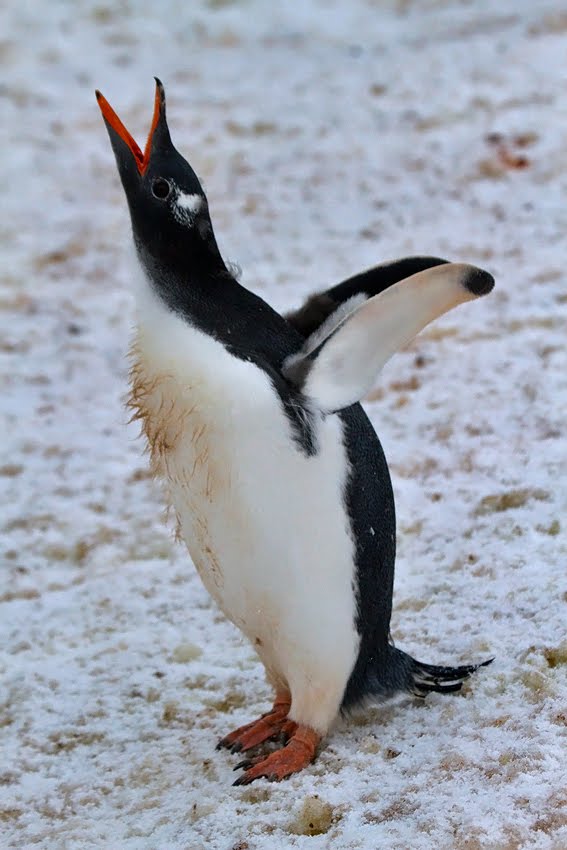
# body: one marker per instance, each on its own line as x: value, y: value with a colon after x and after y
x: 242, y: 780
x: 243, y: 765
x: 236, y: 747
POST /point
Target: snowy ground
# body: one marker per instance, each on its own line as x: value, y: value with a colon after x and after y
x: 330, y: 136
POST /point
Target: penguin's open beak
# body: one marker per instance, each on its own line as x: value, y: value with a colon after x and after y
x: 124, y: 145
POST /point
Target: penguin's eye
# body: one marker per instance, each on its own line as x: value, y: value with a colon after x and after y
x: 161, y: 188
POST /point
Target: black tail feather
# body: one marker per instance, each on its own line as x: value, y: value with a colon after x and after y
x: 396, y: 671
x: 427, y: 678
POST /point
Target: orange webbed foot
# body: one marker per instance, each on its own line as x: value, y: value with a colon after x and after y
x: 266, y: 727
x: 297, y: 754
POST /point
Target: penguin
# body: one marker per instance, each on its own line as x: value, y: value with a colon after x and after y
x: 275, y: 474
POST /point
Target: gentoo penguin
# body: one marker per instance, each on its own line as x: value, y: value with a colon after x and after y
x: 277, y: 478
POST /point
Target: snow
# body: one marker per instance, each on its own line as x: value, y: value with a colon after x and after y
x: 330, y: 136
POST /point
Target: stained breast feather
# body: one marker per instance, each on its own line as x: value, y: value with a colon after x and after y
x: 177, y: 432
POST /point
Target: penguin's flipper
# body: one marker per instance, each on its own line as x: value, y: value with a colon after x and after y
x: 319, y: 306
x: 338, y: 364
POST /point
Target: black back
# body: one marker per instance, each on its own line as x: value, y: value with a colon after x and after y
x: 370, y: 504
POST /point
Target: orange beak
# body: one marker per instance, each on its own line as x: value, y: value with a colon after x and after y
x: 113, y: 121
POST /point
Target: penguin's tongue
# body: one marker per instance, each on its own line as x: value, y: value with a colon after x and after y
x: 112, y: 119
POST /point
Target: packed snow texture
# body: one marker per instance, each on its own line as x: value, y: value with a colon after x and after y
x: 329, y: 136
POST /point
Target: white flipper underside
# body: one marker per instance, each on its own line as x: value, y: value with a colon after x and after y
x: 341, y: 368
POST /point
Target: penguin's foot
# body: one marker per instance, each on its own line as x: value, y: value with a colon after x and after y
x: 297, y: 754
x: 267, y: 726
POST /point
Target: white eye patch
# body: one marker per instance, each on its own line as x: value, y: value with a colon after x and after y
x: 185, y: 207
x: 191, y: 203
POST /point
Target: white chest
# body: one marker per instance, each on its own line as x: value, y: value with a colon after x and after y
x: 264, y: 523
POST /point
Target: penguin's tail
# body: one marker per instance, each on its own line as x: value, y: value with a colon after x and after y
x: 395, y: 671
x: 421, y: 679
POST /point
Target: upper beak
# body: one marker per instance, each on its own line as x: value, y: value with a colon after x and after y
x: 119, y: 135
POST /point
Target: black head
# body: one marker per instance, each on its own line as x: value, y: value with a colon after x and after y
x: 168, y: 207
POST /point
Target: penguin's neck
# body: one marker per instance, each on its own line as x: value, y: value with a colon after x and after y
x: 214, y: 349
x: 201, y: 291
x: 184, y: 275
